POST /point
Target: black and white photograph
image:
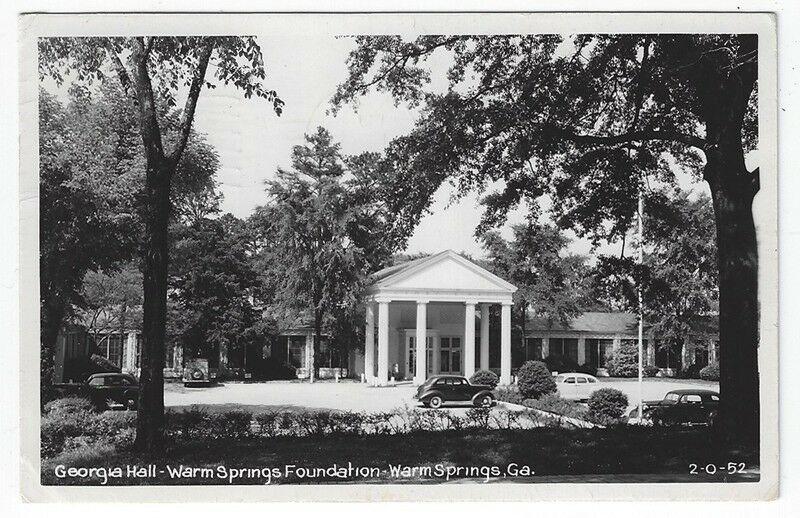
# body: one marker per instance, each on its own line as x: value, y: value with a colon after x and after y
x: 432, y: 252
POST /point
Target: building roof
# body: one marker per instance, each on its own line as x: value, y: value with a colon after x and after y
x: 613, y: 322
x: 595, y: 321
x: 445, y: 276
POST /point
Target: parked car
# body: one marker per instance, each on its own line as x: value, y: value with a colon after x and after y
x: 684, y: 406
x: 576, y: 385
x: 197, y: 372
x: 107, y: 389
x: 438, y: 390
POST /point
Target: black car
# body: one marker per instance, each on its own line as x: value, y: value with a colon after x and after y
x: 684, y: 406
x: 109, y: 388
x: 444, y: 389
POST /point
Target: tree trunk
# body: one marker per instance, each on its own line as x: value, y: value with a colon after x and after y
x: 150, y: 422
x: 724, y: 92
x: 738, y: 315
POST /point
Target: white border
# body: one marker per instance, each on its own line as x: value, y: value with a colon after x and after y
x: 367, y: 23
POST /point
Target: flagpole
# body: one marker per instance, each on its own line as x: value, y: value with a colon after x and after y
x: 640, y: 211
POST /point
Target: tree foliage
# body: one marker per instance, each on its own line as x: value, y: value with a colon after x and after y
x: 679, y: 274
x: 211, y: 288
x: 535, y: 260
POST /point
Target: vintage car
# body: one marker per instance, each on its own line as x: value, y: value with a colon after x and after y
x: 575, y: 385
x: 438, y: 390
x: 197, y: 372
x: 683, y: 406
x: 107, y: 389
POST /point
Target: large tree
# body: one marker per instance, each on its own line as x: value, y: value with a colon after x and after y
x: 588, y: 120
x: 322, y: 231
x: 153, y: 70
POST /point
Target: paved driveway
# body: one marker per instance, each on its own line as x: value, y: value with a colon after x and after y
x: 346, y: 395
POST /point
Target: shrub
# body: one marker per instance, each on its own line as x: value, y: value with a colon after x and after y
x: 534, y: 379
x: 650, y: 371
x: 558, y: 363
x: 691, y: 372
x: 608, y: 403
x: 624, y: 363
x: 485, y: 378
x: 557, y: 405
x: 710, y: 372
x: 68, y: 404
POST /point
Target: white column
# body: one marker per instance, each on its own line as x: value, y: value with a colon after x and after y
x: 712, y: 351
x: 383, y: 342
x: 369, y: 343
x: 505, y: 344
x: 581, y: 350
x: 422, y: 339
x: 469, y: 339
x: 484, y: 337
x: 545, y: 347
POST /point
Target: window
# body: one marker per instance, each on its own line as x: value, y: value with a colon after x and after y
x: 582, y: 380
x: 714, y: 398
x: 97, y: 382
x: 671, y: 397
x: 599, y: 350
x: 668, y: 357
x: 570, y: 380
x: 110, y: 346
x: 565, y: 347
x: 592, y: 380
x: 297, y: 351
x: 533, y: 349
x: 692, y: 398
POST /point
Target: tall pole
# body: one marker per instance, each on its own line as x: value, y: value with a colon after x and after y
x: 640, y: 211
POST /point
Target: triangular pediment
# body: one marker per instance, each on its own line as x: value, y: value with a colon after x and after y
x: 445, y: 271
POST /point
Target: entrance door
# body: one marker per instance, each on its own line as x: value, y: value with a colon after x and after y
x: 450, y: 355
x: 411, y: 355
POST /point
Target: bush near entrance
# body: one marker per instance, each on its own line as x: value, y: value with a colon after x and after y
x: 534, y: 380
x: 608, y: 403
x: 488, y: 378
x: 625, y: 361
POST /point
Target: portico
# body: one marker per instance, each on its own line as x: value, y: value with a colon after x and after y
x: 424, y: 314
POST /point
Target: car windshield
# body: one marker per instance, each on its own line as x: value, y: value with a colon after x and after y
x: 671, y: 397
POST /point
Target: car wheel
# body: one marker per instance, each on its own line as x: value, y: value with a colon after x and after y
x: 484, y: 401
x: 435, y: 402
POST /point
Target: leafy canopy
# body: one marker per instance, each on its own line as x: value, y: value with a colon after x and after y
x: 584, y: 119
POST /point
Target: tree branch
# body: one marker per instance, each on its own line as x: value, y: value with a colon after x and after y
x: 631, y: 136
x: 119, y: 67
x: 191, y: 101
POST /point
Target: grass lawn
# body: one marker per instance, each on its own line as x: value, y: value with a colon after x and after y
x: 553, y: 454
